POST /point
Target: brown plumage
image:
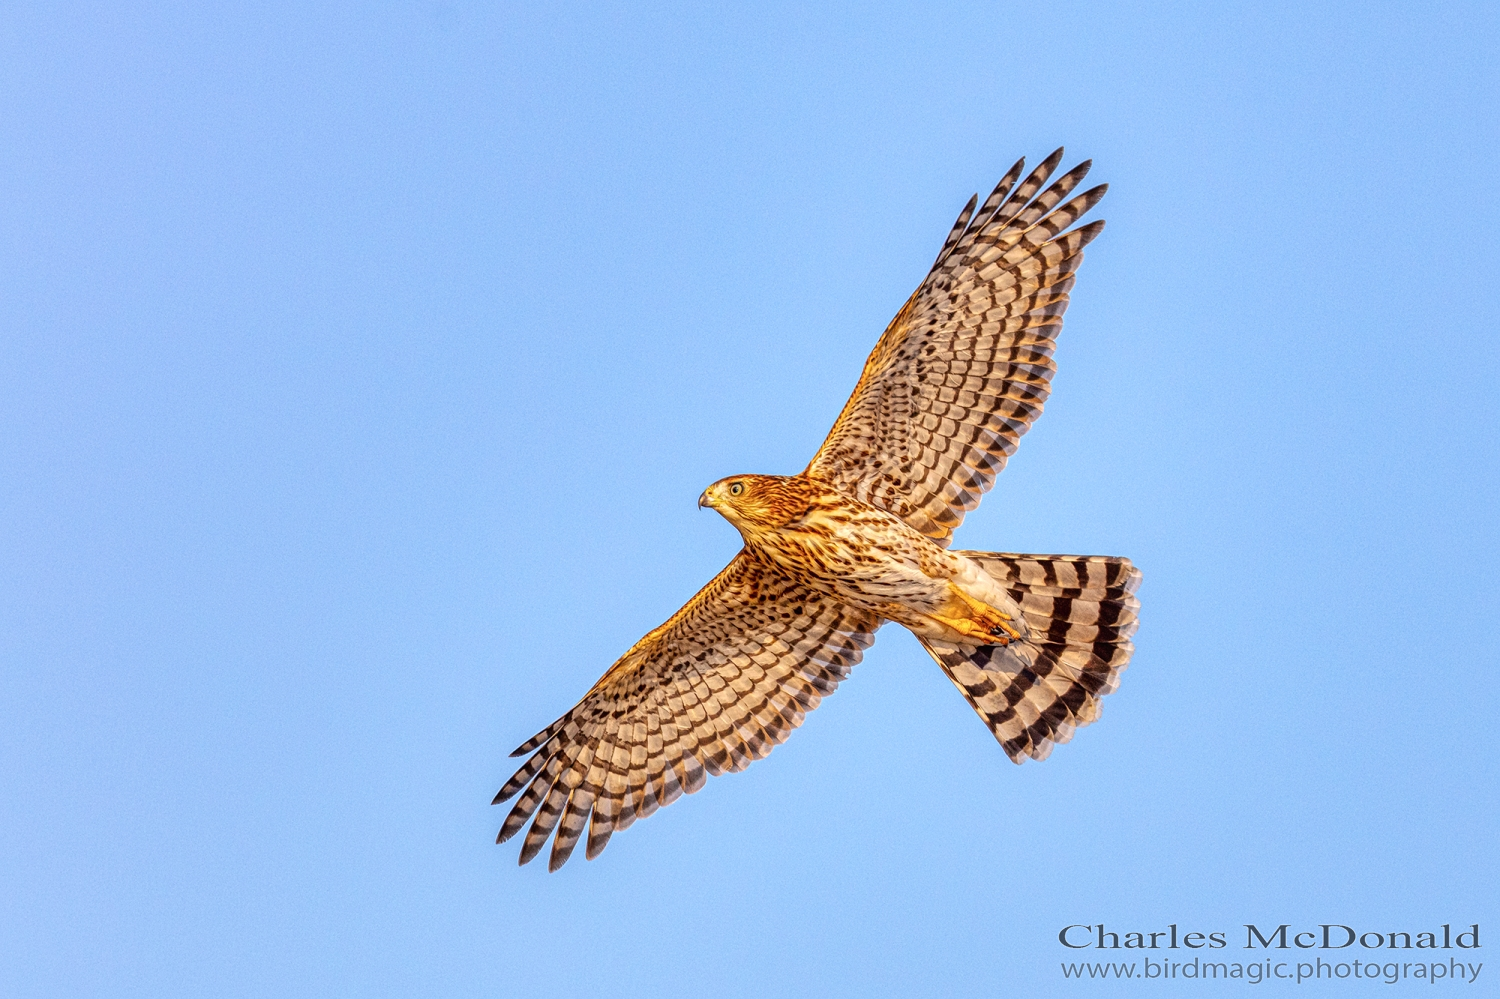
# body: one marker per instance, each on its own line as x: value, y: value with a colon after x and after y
x: 860, y: 538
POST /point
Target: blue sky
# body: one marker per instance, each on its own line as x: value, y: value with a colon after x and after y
x: 360, y: 366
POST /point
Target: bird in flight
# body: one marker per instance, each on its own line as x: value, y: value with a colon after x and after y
x: 861, y: 537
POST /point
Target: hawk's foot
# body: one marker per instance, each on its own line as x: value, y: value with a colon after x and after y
x: 978, y: 620
x: 992, y: 629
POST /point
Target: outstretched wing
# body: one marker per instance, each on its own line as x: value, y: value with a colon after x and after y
x: 963, y: 369
x: 720, y: 684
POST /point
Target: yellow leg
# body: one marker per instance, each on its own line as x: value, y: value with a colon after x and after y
x: 975, y: 620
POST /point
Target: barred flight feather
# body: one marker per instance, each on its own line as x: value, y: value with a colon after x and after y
x: 1034, y: 693
x: 715, y: 688
x: 983, y: 321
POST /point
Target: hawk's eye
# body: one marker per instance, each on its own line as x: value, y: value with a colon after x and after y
x: 735, y: 488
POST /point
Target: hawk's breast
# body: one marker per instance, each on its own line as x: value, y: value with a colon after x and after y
x: 863, y: 555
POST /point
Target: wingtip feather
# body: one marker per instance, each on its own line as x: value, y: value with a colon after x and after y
x: 1088, y: 233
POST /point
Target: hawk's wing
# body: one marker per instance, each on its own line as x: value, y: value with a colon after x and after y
x: 722, y: 682
x: 963, y: 369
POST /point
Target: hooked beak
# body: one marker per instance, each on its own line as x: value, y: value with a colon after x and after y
x: 703, y: 500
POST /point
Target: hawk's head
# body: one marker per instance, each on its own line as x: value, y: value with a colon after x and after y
x: 758, y: 502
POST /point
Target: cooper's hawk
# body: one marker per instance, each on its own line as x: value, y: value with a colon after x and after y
x: 860, y: 538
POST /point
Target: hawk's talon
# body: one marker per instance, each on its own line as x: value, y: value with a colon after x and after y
x: 1005, y: 633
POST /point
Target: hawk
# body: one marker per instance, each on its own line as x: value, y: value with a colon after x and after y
x: 859, y: 538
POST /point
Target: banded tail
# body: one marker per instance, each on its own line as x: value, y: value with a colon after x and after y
x: 1033, y: 693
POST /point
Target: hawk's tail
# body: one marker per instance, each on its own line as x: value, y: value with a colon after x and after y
x: 1081, y: 612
